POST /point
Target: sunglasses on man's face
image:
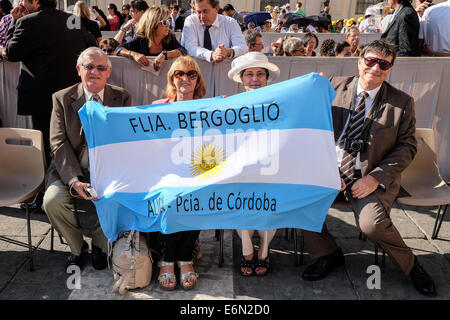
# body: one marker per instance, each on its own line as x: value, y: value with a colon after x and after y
x: 109, y: 50
x: 192, y: 74
x: 384, y: 65
x: 91, y: 67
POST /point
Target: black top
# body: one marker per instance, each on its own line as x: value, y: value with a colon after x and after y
x: 140, y: 45
x: 92, y: 27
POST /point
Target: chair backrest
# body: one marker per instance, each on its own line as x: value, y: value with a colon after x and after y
x: 424, y: 168
x: 22, y: 163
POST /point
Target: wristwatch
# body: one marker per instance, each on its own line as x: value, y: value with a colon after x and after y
x: 164, y: 52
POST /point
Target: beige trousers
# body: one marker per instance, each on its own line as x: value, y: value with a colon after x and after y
x: 265, y: 237
x: 58, y: 205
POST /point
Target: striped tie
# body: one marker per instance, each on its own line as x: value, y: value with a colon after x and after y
x: 96, y: 98
x: 354, y: 131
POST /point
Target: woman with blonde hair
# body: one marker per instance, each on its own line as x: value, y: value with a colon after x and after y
x: 153, y: 39
x: 82, y: 10
x: 184, y: 82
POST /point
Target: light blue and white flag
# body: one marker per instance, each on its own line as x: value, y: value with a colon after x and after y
x: 260, y: 160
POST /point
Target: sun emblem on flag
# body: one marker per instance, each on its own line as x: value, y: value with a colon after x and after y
x: 207, y: 161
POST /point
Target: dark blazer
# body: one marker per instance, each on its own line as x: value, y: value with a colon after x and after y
x: 403, y: 31
x: 392, y: 144
x: 67, y: 139
x: 179, y: 23
x: 45, y: 45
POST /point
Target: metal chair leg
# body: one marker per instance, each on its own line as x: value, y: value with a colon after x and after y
x: 296, y: 263
x: 438, y: 221
x: 52, y: 234
x: 220, y: 234
x: 30, y: 248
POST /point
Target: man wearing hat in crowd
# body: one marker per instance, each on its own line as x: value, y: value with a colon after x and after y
x: 370, y: 24
x: 254, y: 71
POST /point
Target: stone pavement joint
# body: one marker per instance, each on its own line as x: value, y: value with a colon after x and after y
x: 48, y: 281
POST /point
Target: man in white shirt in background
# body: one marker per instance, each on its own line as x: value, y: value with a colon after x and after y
x: 435, y: 30
x: 225, y: 36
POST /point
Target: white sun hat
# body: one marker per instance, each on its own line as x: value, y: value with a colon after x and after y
x: 252, y: 60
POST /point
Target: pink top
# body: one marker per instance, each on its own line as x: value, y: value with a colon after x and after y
x: 113, y: 22
x: 165, y: 100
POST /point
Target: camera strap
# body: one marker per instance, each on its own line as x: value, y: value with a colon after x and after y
x: 373, y: 113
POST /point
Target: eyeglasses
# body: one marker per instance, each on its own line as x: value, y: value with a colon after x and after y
x: 192, y: 74
x: 91, y: 67
x: 109, y: 50
x: 259, y: 74
x: 384, y: 65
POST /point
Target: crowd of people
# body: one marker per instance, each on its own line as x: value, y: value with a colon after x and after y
x: 50, y: 91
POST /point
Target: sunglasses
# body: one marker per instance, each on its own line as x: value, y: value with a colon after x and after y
x: 165, y: 23
x: 384, y: 65
x: 110, y: 50
x: 91, y: 67
x: 190, y: 74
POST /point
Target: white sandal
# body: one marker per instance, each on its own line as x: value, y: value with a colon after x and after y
x: 166, y: 276
x: 187, y: 276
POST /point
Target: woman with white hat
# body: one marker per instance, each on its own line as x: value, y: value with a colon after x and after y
x: 254, y: 71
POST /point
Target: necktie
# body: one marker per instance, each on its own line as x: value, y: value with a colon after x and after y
x: 96, y: 98
x: 354, y: 131
x: 207, y: 39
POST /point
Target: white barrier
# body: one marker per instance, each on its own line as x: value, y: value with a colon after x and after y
x: 426, y: 79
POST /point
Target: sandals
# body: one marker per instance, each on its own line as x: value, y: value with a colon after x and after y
x: 167, y: 276
x: 185, y: 278
x: 248, y: 264
x: 262, y: 264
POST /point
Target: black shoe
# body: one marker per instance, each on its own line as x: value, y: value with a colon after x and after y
x: 320, y: 269
x: 99, y: 258
x: 81, y: 259
x: 422, y: 280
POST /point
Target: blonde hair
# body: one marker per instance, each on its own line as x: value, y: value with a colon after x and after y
x: 188, y: 63
x: 81, y: 9
x: 148, y: 23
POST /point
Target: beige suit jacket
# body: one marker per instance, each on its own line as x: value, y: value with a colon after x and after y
x: 392, y: 144
x: 67, y: 139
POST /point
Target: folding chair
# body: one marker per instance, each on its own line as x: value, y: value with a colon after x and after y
x: 22, y: 170
x: 422, y: 180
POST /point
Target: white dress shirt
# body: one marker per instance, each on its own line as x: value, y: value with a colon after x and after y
x: 225, y: 30
x: 368, y: 106
x: 435, y: 27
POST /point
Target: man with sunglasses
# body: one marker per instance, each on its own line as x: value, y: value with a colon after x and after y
x: 374, y: 127
x: 68, y: 173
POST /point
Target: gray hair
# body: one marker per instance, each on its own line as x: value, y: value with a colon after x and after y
x: 92, y: 51
x: 291, y: 44
x: 349, y: 30
x: 250, y: 36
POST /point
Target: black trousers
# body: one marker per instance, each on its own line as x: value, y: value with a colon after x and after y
x: 178, y: 246
x: 42, y: 122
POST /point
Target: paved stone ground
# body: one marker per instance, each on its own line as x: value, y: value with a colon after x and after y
x: 48, y: 281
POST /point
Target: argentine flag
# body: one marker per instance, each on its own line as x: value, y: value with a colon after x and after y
x: 259, y: 160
